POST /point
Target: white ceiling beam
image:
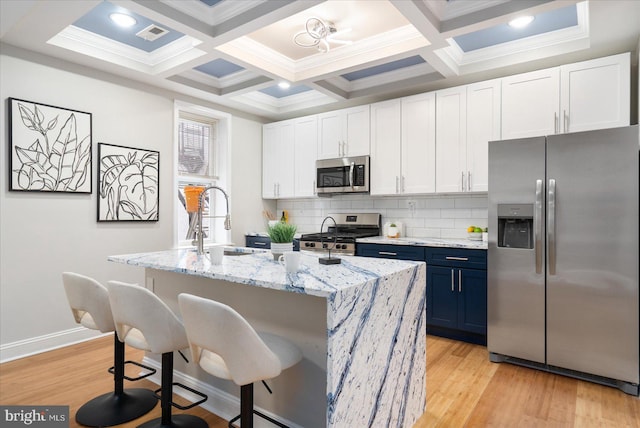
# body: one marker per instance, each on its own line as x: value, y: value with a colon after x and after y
x: 329, y: 90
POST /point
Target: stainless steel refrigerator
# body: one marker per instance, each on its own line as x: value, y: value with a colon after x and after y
x: 563, y: 255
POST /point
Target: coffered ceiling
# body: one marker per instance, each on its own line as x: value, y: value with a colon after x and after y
x: 236, y: 52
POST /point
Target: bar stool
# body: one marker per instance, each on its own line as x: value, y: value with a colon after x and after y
x: 226, y: 346
x: 89, y: 301
x: 146, y: 322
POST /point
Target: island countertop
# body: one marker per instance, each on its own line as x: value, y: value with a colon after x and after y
x: 261, y: 270
x: 360, y: 326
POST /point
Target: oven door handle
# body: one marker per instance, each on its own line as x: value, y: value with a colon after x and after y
x: 351, y: 171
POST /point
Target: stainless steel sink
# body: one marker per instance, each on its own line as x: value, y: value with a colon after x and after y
x: 235, y: 253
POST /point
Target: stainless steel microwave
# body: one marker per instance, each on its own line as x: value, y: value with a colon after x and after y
x: 342, y: 175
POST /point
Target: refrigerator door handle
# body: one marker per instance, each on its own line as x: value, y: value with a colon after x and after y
x: 551, y: 227
x: 537, y: 232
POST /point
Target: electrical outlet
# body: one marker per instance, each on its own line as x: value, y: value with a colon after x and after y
x: 412, y: 207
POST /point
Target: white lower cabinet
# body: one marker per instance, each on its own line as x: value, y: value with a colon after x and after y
x: 403, y: 145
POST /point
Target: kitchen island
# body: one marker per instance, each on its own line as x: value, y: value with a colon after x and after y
x: 360, y: 325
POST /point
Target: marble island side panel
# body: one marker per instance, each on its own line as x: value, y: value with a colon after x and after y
x: 359, y: 324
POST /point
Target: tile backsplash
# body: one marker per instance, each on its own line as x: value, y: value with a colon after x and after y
x: 434, y: 216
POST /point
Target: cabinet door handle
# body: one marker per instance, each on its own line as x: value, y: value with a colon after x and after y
x: 315, y: 192
x: 453, y: 281
x: 555, y: 122
x: 387, y: 253
x: 403, y: 186
x: 566, y: 120
x: 262, y: 244
x: 461, y: 259
x: 397, y: 184
x: 468, y: 181
x: 459, y: 281
x: 463, y: 181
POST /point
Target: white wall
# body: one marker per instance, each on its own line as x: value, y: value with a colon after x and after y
x: 246, y: 180
x: 426, y: 216
x: 44, y: 234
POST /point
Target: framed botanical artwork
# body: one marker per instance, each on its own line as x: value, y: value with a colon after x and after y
x: 49, y: 148
x: 128, y: 183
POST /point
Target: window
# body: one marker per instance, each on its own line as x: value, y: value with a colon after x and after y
x: 196, y: 139
x: 199, y: 159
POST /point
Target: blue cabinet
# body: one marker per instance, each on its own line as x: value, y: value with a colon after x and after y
x: 389, y: 251
x: 256, y: 241
x: 457, y: 293
x: 456, y: 287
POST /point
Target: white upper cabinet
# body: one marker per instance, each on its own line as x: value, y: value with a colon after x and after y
x: 418, y: 144
x: 584, y: 96
x: 344, y: 133
x: 403, y: 145
x: 305, y: 144
x: 289, y: 158
x: 468, y: 117
x: 483, y: 125
x: 385, y: 148
x: 596, y: 94
x: 278, y: 160
x: 451, y: 140
x: 530, y: 104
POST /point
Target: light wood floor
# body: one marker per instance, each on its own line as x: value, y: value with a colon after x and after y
x: 464, y: 389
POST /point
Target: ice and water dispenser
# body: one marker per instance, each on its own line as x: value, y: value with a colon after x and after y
x: 515, y: 225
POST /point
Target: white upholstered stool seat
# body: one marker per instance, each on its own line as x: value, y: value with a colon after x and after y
x: 89, y: 302
x: 225, y: 345
x: 145, y: 322
x: 287, y: 353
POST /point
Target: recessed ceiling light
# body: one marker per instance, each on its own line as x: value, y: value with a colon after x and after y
x: 521, y: 21
x: 123, y: 19
x: 284, y: 85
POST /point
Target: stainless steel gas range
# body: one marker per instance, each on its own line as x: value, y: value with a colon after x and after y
x: 341, y: 237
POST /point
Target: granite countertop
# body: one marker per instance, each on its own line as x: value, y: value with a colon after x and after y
x: 426, y: 242
x: 260, y: 270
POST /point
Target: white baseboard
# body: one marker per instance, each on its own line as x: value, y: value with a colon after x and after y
x: 220, y: 403
x: 36, y: 345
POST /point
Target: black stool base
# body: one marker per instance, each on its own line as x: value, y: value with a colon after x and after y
x: 177, y: 421
x: 110, y: 409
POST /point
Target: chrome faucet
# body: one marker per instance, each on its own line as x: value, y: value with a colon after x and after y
x: 227, y: 218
